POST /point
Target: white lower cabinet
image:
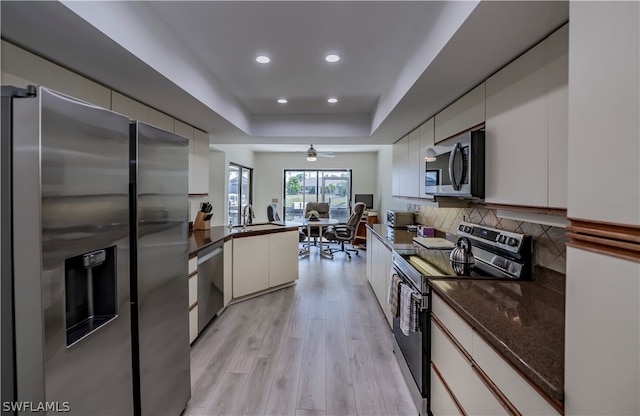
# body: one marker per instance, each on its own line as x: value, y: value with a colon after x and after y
x: 193, y: 289
x: 228, y: 272
x: 264, y: 261
x: 474, y: 397
x: 441, y: 402
x: 283, y: 258
x: 468, y: 365
x: 250, y: 265
x: 379, y: 261
x: 193, y: 323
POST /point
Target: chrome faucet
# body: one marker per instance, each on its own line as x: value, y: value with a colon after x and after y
x: 247, y: 219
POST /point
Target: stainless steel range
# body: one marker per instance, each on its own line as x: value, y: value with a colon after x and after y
x: 497, y: 254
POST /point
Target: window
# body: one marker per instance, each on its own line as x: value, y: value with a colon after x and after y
x: 240, y: 181
x: 302, y: 186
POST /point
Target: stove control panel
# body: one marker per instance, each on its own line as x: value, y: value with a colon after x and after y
x: 499, y: 238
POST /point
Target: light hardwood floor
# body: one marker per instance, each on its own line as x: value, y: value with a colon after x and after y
x: 321, y: 347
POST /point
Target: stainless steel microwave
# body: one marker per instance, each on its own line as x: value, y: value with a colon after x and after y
x: 399, y: 219
x: 455, y: 167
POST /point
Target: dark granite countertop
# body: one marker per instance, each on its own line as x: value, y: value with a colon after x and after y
x: 200, y: 239
x: 522, y: 320
x: 401, y: 237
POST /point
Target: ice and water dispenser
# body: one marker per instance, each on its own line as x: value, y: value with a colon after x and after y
x: 90, y: 292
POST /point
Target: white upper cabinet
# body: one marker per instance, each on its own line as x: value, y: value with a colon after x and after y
x: 20, y: 68
x: 526, y: 122
x: 399, y: 164
x: 604, y: 102
x: 468, y: 111
x: 200, y: 163
x: 160, y: 120
x: 558, y: 116
x: 412, y: 173
x: 128, y: 107
x: 426, y: 141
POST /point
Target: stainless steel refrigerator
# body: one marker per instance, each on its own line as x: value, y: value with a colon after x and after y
x: 84, y: 222
x: 159, y: 284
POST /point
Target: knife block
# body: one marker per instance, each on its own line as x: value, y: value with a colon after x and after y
x: 200, y: 223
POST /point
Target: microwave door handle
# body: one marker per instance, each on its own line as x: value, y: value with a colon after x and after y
x: 452, y: 159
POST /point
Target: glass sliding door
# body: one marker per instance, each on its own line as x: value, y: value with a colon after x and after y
x: 302, y: 186
x: 240, y: 179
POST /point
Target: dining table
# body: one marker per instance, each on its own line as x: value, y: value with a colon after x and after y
x: 320, y: 224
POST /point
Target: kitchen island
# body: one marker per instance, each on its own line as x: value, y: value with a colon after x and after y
x: 228, y: 265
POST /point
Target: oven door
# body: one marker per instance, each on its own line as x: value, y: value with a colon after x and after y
x: 414, y: 352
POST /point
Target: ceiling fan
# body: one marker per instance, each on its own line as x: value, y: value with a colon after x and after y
x: 313, y: 154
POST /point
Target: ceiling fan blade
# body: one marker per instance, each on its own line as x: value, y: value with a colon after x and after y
x: 325, y: 154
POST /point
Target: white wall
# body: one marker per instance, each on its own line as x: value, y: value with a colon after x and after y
x: 269, y: 175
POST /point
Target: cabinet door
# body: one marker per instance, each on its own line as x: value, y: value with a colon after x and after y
x: 604, y: 103
x: 187, y: 131
x: 601, y: 370
x: 509, y: 381
x: 441, y: 402
x: 128, y: 107
x: 474, y: 397
x: 21, y: 68
x: 516, y: 132
x: 412, y: 172
x: 369, y: 252
x: 426, y: 141
x: 228, y: 271
x: 558, y: 115
x: 283, y: 258
x: 250, y: 265
x: 399, y: 163
x: 200, y: 160
x: 160, y: 120
x: 387, y: 261
x: 466, y: 112
x: 193, y: 323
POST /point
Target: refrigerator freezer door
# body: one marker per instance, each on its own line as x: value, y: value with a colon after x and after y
x: 162, y: 300
x: 70, y: 182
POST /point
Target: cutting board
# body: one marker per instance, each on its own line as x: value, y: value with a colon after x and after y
x: 434, y: 242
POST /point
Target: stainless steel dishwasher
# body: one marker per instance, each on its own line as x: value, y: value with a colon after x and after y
x: 210, y: 283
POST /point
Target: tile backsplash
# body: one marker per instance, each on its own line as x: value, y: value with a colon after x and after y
x: 549, y: 243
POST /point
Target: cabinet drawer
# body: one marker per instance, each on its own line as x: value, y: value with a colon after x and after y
x: 519, y: 392
x: 193, y: 289
x: 441, y: 401
x: 193, y: 323
x: 460, y: 330
x: 193, y: 265
x: 456, y: 371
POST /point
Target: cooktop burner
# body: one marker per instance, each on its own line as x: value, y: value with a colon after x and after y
x: 498, y: 254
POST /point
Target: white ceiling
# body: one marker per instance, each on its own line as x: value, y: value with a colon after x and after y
x: 401, y: 61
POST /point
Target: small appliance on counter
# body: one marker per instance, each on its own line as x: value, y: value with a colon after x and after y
x: 399, y: 219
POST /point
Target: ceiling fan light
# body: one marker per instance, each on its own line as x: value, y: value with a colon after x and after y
x: 312, y: 155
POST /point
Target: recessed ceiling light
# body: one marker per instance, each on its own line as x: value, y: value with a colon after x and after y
x: 263, y: 59
x: 282, y: 100
x: 332, y: 58
x: 332, y: 100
